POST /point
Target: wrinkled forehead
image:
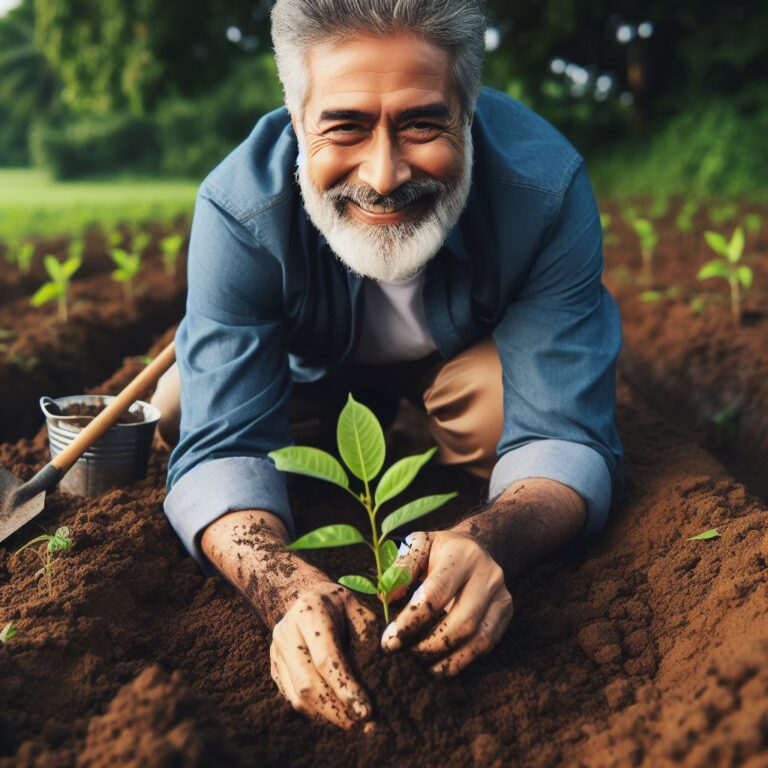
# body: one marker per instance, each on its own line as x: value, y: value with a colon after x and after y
x: 371, y: 74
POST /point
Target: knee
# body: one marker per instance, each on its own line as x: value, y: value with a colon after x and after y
x: 167, y: 400
x: 465, y: 408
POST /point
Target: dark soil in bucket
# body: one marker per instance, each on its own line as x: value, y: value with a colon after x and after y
x: 89, y: 411
x: 644, y: 649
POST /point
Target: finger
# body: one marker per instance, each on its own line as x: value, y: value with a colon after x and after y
x: 331, y: 665
x: 311, y: 696
x: 276, y: 675
x: 489, y: 632
x: 463, y: 619
x: 440, y: 586
x: 413, y: 555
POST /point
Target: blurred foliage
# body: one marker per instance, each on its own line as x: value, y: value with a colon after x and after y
x: 105, y: 85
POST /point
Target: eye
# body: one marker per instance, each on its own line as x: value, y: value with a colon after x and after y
x: 346, y: 128
x: 421, y: 127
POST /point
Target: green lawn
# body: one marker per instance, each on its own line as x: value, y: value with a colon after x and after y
x: 32, y: 203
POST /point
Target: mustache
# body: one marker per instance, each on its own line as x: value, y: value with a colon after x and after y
x: 405, y: 194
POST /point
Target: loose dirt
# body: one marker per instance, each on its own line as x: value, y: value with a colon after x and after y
x: 644, y: 649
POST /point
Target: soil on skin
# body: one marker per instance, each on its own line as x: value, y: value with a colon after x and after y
x: 700, y: 368
x: 644, y: 649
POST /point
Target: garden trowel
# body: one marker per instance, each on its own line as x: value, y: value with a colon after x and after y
x: 20, y: 502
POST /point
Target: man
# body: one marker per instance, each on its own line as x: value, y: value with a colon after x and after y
x: 438, y: 237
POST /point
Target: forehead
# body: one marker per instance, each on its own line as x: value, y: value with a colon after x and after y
x: 371, y: 72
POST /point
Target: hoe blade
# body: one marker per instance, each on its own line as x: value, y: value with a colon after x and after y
x: 16, y: 509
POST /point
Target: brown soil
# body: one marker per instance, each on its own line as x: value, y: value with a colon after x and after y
x: 88, y: 412
x: 646, y: 649
x: 43, y: 356
x: 702, y: 370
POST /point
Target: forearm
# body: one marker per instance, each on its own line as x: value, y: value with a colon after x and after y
x: 531, y: 519
x: 247, y: 547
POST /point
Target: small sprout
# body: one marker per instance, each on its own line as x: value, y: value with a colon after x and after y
x: 362, y: 447
x: 729, y: 267
x: 53, y: 544
x: 76, y: 248
x: 652, y: 295
x: 26, y: 362
x: 646, y: 233
x: 712, y: 533
x: 659, y: 207
x: 684, y: 218
x: 115, y: 238
x: 58, y: 286
x: 128, y: 266
x: 24, y: 256
x: 720, y: 214
x: 171, y: 248
x: 753, y: 223
x: 140, y: 242
x: 7, y: 632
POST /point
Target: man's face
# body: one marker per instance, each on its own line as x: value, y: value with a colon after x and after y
x: 387, y: 155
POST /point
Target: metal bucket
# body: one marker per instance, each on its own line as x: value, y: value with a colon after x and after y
x: 117, y: 458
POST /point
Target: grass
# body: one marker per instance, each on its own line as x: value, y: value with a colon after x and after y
x: 33, y: 203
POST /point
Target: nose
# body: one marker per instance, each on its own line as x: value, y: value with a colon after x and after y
x: 384, y: 168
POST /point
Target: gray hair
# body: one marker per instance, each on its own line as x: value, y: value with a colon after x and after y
x: 457, y: 26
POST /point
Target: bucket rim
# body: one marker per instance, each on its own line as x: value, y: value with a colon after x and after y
x: 151, y: 413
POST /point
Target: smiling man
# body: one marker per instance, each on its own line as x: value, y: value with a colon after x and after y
x: 395, y: 231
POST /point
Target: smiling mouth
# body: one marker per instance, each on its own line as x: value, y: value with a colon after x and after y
x: 413, y: 207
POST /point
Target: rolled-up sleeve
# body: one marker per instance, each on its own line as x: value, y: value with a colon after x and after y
x: 235, y: 381
x: 558, y: 341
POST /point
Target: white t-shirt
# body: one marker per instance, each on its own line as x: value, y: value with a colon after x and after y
x: 394, y: 323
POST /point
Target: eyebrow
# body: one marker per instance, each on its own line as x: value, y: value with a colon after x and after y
x: 438, y: 110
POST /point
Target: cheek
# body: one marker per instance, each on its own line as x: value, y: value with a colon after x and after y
x: 330, y: 166
x: 440, y: 159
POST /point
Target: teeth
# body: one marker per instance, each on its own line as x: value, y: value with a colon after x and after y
x: 380, y: 208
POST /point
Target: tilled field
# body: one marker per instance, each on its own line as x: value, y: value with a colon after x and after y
x: 643, y: 649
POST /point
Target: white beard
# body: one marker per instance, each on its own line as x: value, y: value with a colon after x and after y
x: 387, y: 252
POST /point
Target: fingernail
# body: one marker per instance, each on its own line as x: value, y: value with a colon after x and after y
x: 390, y: 639
x: 361, y: 710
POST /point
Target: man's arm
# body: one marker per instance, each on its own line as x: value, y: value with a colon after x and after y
x: 531, y: 519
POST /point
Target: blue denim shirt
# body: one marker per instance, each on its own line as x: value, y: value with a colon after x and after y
x: 269, y: 304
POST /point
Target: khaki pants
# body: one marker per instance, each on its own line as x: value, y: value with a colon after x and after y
x: 461, y: 398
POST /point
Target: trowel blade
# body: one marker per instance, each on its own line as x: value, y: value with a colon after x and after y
x: 12, y: 514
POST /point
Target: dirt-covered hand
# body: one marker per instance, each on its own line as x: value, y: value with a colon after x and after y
x: 307, y: 662
x: 460, y: 576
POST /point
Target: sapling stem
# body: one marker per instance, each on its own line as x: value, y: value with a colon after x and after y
x: 52, y: 543
x: 362, y: 448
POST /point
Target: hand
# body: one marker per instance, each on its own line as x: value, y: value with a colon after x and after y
x: 307, y: 663
x: 459, y: 575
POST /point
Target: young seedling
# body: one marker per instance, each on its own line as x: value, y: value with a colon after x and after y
x: 58, y: 286
x: 646, y: 233
x: 171, y: 248
x: 53, y: 543
x: 7, y: 632
x: 684, y: 218
x: 729, y: 266
x: 605, y: 222
x: 361, y: 445
x: 140, y: 242
x: 128, y: 266
x: 712, y: 533
x: 24, y: 256
x: 76, y: 248
x: 720, y: 214
x: 659, y: 207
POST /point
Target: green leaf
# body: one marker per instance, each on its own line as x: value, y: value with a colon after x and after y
x: 54, y: 269
x: 400, y: 475
x: 716, y: 242
x: 312, y: 462
x: 745, y: 275
x: 121, y: 275
x: 651, y: 296
x: 642, y: 227
x: 120, y: 257
x: 46, y: 293
x: 395, y: 576
x: 60, y: 540
x: 359, y: 584
x: 328, y: 536
x: 361, y: 440
x: 736, y: 246
x: 413, y: 510
x: 7, y: 632
x: 71, y: 265
x: 388, y: 553
x: 714, y: 268
x: 712, y: 533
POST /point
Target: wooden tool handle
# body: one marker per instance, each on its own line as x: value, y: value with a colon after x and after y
x: 110, y: 415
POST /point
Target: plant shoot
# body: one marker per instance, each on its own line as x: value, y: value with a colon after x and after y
x: 58, y: 286
x: 646, y: 233
x: 52, y: 544
x: 171, y: 248
x: 361, y: 445
x: 729, y: 266
x: 128, y: 266
x: 7, y: 632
